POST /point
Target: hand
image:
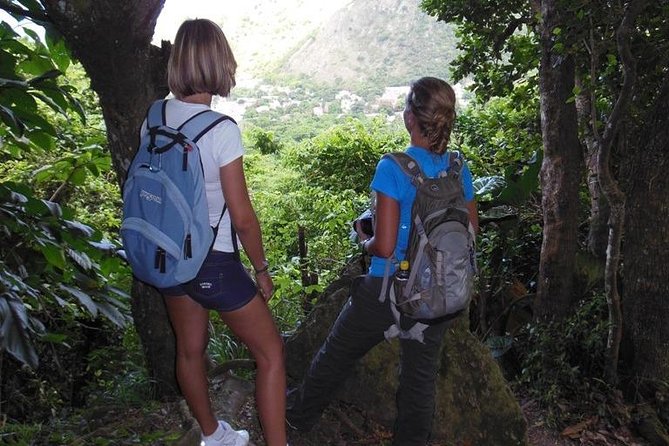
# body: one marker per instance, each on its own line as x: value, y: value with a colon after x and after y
x: 362, y: 236
x: 265, y: 285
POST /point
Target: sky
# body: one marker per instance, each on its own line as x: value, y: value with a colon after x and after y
x: 176, y: 11
x: 173, y: 13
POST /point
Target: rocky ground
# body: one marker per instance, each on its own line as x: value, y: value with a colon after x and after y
x: 346, y: 426
x: 170, y: 424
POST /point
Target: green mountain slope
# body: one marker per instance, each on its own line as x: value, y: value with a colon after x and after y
x: 385, y: 42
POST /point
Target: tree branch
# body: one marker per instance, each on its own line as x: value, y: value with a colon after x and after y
x: 629, y: 72
x: 39, y: 16
x: 508, y: 31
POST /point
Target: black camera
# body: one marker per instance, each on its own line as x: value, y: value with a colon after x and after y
x: 366, y: 222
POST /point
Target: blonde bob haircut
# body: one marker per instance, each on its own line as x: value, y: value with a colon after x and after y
x: 201, y: 60
x: 432, y: 102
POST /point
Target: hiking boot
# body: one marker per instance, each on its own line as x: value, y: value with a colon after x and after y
x: 225, y: 435
x: 295, y: 418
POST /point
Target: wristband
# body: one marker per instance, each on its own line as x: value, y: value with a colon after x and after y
x: 263, y: 269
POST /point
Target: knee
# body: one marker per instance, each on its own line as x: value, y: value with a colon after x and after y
x: 272, y: 357
x: 191, y: 351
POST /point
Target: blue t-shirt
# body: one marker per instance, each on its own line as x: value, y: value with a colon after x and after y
x: 391, y: 181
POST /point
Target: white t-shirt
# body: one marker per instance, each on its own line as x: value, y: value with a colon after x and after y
x: 218, y: 147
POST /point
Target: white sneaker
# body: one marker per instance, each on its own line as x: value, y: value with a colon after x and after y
x: 225, y: 435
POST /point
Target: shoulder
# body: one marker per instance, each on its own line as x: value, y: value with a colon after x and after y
x: 389, y: 168
x: 227, y: 128
x: 225, y: 142
x: 389, y: 178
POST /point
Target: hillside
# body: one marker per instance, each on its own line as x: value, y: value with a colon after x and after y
x: 383, y: 42
x: 341, y: 43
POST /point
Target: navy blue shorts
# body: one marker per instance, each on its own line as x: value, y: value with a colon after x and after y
x: 223, y: 284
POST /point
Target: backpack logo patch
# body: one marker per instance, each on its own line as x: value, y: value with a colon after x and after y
x: 148, y: 196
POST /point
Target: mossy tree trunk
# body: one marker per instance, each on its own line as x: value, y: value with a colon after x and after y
x: 646, y: 270
x: 561, y: 168
x: 112, y: 40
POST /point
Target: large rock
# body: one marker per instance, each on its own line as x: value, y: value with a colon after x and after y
x: 474, y: 402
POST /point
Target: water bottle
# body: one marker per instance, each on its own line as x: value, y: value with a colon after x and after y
x: 402, y: 277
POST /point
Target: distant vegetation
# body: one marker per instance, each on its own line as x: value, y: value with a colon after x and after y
x: 340, y: 68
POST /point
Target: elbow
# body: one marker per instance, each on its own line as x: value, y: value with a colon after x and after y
x: 383, y: 251
x: 244, y: 225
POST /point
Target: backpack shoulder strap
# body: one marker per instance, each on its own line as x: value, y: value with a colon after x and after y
x: 199, y: 124
x: 155, y: 116
x: 454, y: 162
x: 408, y: 165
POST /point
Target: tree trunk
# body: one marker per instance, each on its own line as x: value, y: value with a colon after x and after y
x: 560, y: 170
x: 610, y: 187
x: 645, y: 270
x: 112, y: 40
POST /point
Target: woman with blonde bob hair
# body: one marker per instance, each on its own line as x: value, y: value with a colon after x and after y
x: 201, y: 66
x: 428, y: 117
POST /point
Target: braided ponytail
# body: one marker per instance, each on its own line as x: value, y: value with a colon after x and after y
x: 432, y: 102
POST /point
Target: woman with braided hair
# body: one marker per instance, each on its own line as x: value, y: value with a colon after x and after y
x: 429, y: 116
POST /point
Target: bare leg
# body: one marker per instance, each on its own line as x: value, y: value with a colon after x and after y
x: 254, y: 326
x: 190, y: 323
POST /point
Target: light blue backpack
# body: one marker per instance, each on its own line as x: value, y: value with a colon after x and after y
x: 165, y: 229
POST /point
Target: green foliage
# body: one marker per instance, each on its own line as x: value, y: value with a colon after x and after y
x: 501, y: 133
x: 51, y: 265
x: 265, y: 142
x: 106, y: 385
x: 325, y: 219
x: 28, y: 79
x: 497, y: 43
x: 14, y: 434
x: 508, y: 248
x: 563, y: 362
x: 345, y: 156
x: 317, y: 188
x: 56, y: 271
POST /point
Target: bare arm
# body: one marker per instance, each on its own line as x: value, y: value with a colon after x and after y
x: 245, y: 221
x: 386, y: 227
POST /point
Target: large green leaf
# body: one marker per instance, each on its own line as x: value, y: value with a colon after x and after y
x: 13, y: 83
x: 13, y: 331
x: 83, y: 298
x: 79, y: 228
x: 9, y: 118
x: 81, y: 258
x: 36, y: 64
x: 113, y: 314
x: 19, y: 99
x: 31, y: 5
x: 42, y: 139
x: 486, y: 187
x: 8, y: 62
x: 53, y: 96
x: 48, y: 75
x: 54, y: 255
x: 59, y: 51
x: 519, y: 187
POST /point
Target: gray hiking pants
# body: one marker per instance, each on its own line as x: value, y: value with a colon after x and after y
x: 358, y: 328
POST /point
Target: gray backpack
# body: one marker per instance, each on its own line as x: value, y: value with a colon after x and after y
x: 440, y: 252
